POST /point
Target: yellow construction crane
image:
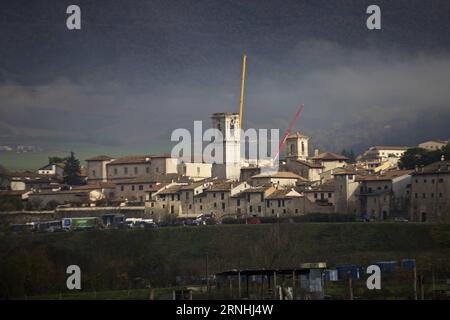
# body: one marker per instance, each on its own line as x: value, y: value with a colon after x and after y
x: 241, y: 103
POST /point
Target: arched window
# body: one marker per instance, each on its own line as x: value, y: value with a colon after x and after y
x: 303, y: 147
x: 292, y: 149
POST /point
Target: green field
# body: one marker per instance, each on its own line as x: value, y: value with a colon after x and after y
x: 34, y: 265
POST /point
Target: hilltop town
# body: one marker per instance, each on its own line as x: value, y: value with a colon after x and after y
x: 160, y: 187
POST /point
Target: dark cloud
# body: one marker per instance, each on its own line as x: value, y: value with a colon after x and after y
x: 139, y: 69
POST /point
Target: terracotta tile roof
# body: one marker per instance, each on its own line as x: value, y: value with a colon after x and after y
x: 388, y: 148
x: 131, y: 159
x: 198, y: 183
x: 329, y: 156
x: 441, y: 167
x: 282, y: 194
x: 100, y: 158
x: 344, y: 171
x: 328, y: 187
x: 278, y: 175
x: 95, y: 186
x: 310, y: 164
x: 154, y: 178
x: 170, y: 190
x: 221, y: 186
x: 385, y: 176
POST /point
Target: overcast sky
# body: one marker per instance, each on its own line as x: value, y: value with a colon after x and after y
x: 139, y: 69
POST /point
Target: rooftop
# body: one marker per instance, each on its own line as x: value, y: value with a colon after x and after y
x: 329, y: 156
x: 100, y: 158
x: 385, y: 176
x: 440, y: 167
x: 297, y: 135
x: 388, y: 148
x: 310, y: 164
x: 278, y: 175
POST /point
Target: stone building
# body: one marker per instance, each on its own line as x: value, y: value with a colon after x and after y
x: 430, y: 193
x: 134, y: 166
x: 229, y: 167
x: 309, y: 170
x: 432, y: 145
x: 296, y: 146
x: 346, y: 194
x: 281, y: 178
x: 385, y: 196
x: 96, y: 168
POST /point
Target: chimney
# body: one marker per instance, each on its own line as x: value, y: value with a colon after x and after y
x: 316, y: 152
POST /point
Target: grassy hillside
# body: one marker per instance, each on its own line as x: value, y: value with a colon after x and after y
x: 112, y: 260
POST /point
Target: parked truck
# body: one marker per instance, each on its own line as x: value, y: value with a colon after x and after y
x: 84, y: 223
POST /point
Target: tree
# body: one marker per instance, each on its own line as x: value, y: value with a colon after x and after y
x: 421, y: 157
x: 56, y: 159
x: 72, y: 170
x: 350, y: 155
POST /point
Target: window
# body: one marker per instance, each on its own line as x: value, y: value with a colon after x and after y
x: 315, y: 195
x: 173, y: 197
x: 386, y: 187
x: 178, y: 197
x: 135, y: 170
x: 222, y: 196
x: 329, y: 194
x: 248, y: 197
x: 440, y: 194
x: 153, y: 204
x: 250, y: 209
x: 273, y: 211
x: 147, y: 169
x: 259, y: 208
x: 190, y: 206
x: 215, y: 205
x: 115, y: 171
x: 262, y: 197
x: 164, y: 206
x: 424, y: 180
x: 125, y: 170
x: 157, y: 169
x: 238, y: 202
x: 201, y: 207
x: 93, y: 173
x: 121, y: 188
x: 268, y: 203
x: 132, y: 187
x: 424, y: 195
x: 441, y: 180
x: 432, y: 195
x: 296, y: 210
x: 415, y: 195
x: 223, y: 206
x: 200, y: 200
x: 214, y: 194
x: 279, y: 203
x: 141, y: 187
x: 432, y: 181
